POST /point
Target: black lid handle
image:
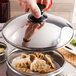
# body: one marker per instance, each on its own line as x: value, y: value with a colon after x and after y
x: 42, y: 8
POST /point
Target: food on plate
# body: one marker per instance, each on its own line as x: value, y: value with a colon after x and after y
x: 23, y: 55
x: 1, y: 49
x: 2, y: 52
x: 35, y: 62
x: 39, y: 55
x: 32, y: 57
x: 50, y: 61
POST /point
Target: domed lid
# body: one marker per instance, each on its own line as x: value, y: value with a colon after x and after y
x: 49, y: 35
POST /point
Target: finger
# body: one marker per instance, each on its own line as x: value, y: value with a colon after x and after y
x: 41, y: 25
x: 29, y: 22
x: 26, y: 8
x: 46, y: 3
x: 30, y: 26
x: 35, y: 9
x: 33, y: 26
x: 36, y: 25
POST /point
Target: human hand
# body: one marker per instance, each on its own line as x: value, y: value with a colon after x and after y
x: 32, y: 4
x: 31, y: 30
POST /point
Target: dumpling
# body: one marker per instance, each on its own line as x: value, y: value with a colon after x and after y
x: 50, y: 61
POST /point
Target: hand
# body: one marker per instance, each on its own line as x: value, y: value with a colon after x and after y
x: 31, y: 30
x: 32, y: 4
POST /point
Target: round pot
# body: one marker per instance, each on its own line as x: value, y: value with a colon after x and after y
x: 58, y: 58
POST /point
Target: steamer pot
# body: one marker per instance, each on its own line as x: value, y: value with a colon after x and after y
x: 58, y: 58
x: 55, y: 33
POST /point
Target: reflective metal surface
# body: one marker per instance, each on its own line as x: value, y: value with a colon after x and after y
x: 3, y: 49
x: 58, y: 58
x: 55, y: 33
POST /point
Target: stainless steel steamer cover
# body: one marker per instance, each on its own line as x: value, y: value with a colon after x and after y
x: 55, y: 33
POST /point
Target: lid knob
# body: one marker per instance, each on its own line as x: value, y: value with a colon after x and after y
x: 42, y: 18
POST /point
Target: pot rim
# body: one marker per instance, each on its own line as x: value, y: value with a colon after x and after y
x: 2, y: 43
x: 33, y: 49
x: 22, y: 73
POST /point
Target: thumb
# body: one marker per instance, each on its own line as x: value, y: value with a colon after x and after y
x: 34, y: 9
